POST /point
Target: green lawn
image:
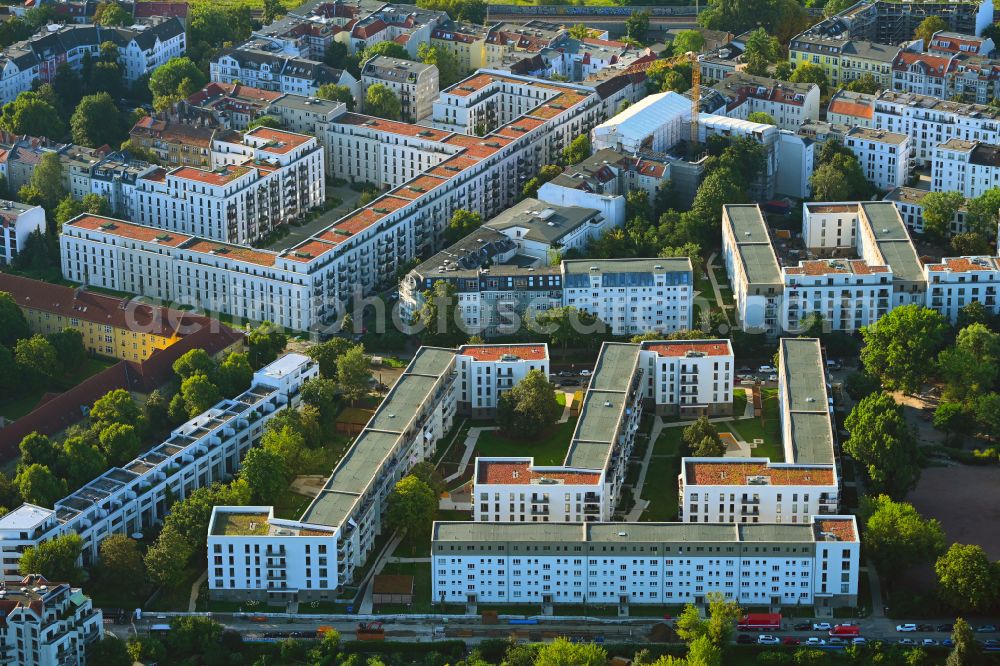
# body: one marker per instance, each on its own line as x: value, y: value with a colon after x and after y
x: 421, y: 572
x: 739, y: 402
x: 660, y: 488
x: 321, y: 461
x: 549, y: 448
x: 290, y: 505
x: 770, y: 430
x: 27, y: 400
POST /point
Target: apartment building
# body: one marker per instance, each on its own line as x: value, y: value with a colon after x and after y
x: 300, y: 288
x: 944, y: 42
x: 922, y: 73
x: 131, y: 498
x: 656, y: 123
x: 859, y: 57
x: 790, y: 104
x: 464, y: 40
x: 815, y: 563
x: 805, y: 483
x: 404, y: 24
x: 141, y: 49
x: 17, y: 222
x: 954, y: 282
x: 909, y: 203
x: 114, y: 178
x: 174, y: 143
x: 233, y: 105
x: 851, y: 109
x: 752, y: 267
x: 268, y: 179
x: 255, y: 66
x: 505, y: 39
x: 968, y: 167
x: 517, y: 490
x: 485, y: 372
x: 414, y: 83
x: 689, y: 378
x: 884, y: 156
x: 268, y: 559
x: 930, y: 121
x: 47, y: 623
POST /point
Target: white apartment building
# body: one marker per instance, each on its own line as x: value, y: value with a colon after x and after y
x: 922, y: 73
x: 302, y: 287
x: 137, y: 495
x: 47, y: 623
x: 944, y: 42
x: 968, y: 167
x: 516, y: 490
x: 790, y: 104
x: 657, y: 122
x: 17, y: 222
x: 277, y: 72
x: 631, y: 296
x: 851, y: 109
x: 688, y: 377
x: 487, y: 371
x: 414, y: 83
x: 909, y: 203
x: 759, y: 490
x: 954, y: 282
x: 141, y: 49
x: 884, y: 156
x: 930, y: 121
x: 271, y: 178
x: 815, y: 563
x: 309, y: 115
x: 343, y: 521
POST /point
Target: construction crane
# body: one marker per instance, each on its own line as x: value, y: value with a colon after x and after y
x: 691, y: 58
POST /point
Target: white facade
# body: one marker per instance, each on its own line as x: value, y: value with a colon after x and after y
x: 968, y: 167
x: 277, y: 72
x: 658, y: 122
x: 47, y: 624
x: 414, y: 83
x: 884, y: 156
x: 270, y: 179
x: 954, y: 282
x: 130, y: 498
x: 816, y: 563
x: 688, y: 377
x: 790, y: 104
x: 487, y: 371
x: 17, y: 222
x: 517, y: 490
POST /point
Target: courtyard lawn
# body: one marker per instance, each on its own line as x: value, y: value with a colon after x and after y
x: 421, y: 572
x: 26, y: 400
x: 751, y: 429
x: 660, y: 488
x: 739, y: 402
x: 549, y: 448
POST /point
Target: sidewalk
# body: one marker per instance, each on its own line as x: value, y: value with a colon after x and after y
x: 470, y: 445
x: 641, y: 504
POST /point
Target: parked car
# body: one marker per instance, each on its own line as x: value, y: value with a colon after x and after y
x: 802, y: 626
x: 928, y: 642
x: 585, y: 373
x: 745, y: 370
x: 821, y: 626
x: 790, y: 640
x: 859, y: 640
x: 813, y: 641
x: 906, y: 641
x: 945, y: 627
x: 906, y: 627
x: 570, y: 382
x: 772, y: 378
x: 836, y: 640
x: 767, y: 639
x: 764, y: 369
x: 744, y: 639
x: 566, y: 373
x: 986, y: 628
x: 947, y: 642
x: 991, y: 643
x: 925, y: 627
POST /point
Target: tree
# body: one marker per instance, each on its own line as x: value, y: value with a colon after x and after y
x: 68, y: 345
x: 8, y: 372
x: 928, y: 27
x: 109, y: 650
x: 897, y: 536
x: 462, y: 224
x: 36, y: 358
x: 387, y: 48
x: 55, y: 559
x: 264, y: 471
x: 987, y: 410
x: 781, y: 18
x: 354, y: 373
x: 272, y: 10
x: 115, y: 407
x: 983, y: 213
x: 382, y: 102
x: 807, y: 72
x: 561, y: 652
x: 449, y: 71
x: 703, y: 652
x: 338, y: 55
x: 13, y: 325
x: 266, y: 342
x: 577, y: 151
x: 722, y: 617
x: 722, y: 186
x: 265, y: 121
x: 529, y: 407
x: 883, y: 444
x: 119, y: 443
x: 37, y: 449
x: 898, y: 346
x: 47, y: 180
x: 411, y: 508
x: 702, y: 439
x: 866, y: 83
x: 288, y: 444
x: 940, y: 209
x: 965, y: 650
x: 111, y: 14
x: 176, y: 79
x: 327, y: 353
x: 579, y: 31
x: 637, y: 26
x: 762, y: 117
x: 234, y: 374
x: 969, y: 243
x: 761, y: 50
x: 337, y: 93
x: 121, y: 561
x: 966, y: 578
x: 191, y: 634
x: 437, y: 319
x: 167, y: 558
x: 30, y: 114
x: 688, y: 40
x: 951, y: 418
x: 199, y: 394
x: 194, y: 362
x: 833, y: 7
x: 83, y: 462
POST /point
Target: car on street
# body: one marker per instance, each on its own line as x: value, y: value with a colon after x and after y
x: 860, y: 640
x: 947, y: 642
x: 986, y: 628
x: 744, y: 639
x: 767, y: 639
x: 906, y: 627
x: 991, y: 644
x: 813, y: 641
x: 837, y: 641
x: 790, y: 640
x: 928, y: 642
x: 906, y: 641
x: 821, y: 626
x: 566, y: 373
x: 945, y: 627
x: 802, y: 626
x: 585, y: 373
x: 745, y: 370
x: 772, y: 378
x: 765, y: 369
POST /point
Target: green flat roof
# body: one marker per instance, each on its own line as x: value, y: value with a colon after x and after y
x: 330, y: 508
x: 753, y: 243
x: 614, y: 367
x: 402, y: 402
x: 430, y: 361
x: 893, y: 240
x: 805, y: 405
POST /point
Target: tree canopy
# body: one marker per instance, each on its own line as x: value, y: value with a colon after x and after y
x: 55, y: 559
x: 97, y: 122
x: 967, y: 579
x: 899, y: 345
x: 897, y: 536
x: 883, y: 444
x: 176, y: 79
x: 529, y: 407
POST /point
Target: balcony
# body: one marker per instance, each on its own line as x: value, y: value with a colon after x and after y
x: 750, y: 511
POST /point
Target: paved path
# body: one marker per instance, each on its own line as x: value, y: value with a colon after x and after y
x: 715, y: 286
x: 195, y: 591
x: 406, y: 560
x: 569, y: 403
x: 366, y: 605
x: 640, y: 504
x: 470, y: 444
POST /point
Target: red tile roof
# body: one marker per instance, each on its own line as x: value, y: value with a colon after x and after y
x: 283, y: 142
x: 842, y: 528
x: 849, y: 108
x: 737, y: 473
x: 496, y: 352
x: 217, y: 178
x: 523, y: 473
x: 673, y: 348
x: 128, y: 230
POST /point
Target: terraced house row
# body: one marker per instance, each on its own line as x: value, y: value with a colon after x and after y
x: 299, y: 288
